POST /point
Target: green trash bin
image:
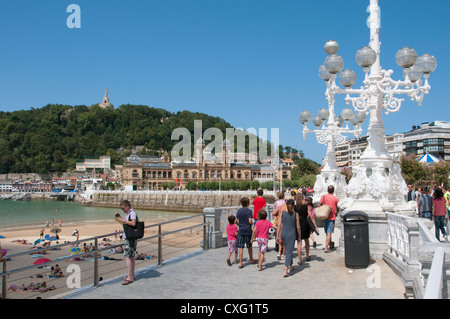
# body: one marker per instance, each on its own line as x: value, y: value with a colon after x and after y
x: 356, y: 239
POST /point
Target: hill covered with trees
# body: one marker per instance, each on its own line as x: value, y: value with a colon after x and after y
x: 54, y: 137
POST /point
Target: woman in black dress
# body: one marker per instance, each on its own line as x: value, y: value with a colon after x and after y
x: 304, y: 211
x: 288, y: 228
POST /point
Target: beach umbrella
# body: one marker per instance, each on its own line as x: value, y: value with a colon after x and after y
x: 41, y: 261
x: 55, y: 230
x: 2, y: 236
x: 428, y: 159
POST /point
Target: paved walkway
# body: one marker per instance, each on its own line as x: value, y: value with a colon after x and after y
x: 205, y: 275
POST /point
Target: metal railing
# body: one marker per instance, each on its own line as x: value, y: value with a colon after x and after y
x: 97, y: 251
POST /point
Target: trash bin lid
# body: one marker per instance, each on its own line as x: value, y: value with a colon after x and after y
x: 356, y: 215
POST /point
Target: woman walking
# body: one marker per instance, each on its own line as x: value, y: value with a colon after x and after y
x: 289, y: 223
x: 440, y: 215
x: 308, y: 201
x: 304, y: 211
x: 278, y: 208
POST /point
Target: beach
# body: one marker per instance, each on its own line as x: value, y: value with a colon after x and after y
x: 111, y: 263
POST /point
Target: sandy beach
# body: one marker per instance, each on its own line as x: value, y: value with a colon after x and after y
x: 111, y: 263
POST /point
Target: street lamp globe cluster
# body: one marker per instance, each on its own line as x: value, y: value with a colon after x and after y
x: 377, y: 185
x: 329, y: 130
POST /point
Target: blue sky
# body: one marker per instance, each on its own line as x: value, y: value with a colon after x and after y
x: 252, y: 62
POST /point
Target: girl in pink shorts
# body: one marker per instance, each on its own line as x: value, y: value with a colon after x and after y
x: 261, y: 234
x: 232, y: 232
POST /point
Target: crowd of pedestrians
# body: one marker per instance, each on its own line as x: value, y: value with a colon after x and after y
x: 293, y: 221
x: 434, y: 205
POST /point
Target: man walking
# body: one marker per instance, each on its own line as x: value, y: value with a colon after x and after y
x: 328, y: 224
x: 425, y: 204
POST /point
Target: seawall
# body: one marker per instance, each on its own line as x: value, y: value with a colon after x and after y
x: 173, y: 201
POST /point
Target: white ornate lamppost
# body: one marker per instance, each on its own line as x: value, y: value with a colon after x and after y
x: 330, y: 134
x: 377, y: 185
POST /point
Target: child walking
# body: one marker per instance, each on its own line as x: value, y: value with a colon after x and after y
x: 232, y: 232
x: 261, y: 234
x: 244, y: 218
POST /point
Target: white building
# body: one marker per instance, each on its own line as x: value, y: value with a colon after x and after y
x: 349, y: 152
x: 394, y: 145
x: 433, y: 138
x: 101, y: 163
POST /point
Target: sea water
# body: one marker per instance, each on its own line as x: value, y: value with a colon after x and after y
x: 23, y: 214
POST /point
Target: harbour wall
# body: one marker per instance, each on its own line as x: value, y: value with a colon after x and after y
x: 173, y: 201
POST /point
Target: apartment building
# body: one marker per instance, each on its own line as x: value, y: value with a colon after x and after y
x: 432, y: 138
x: 101, y: 163
x: 349, y: 152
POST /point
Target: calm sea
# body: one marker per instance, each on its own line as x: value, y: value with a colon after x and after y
x: 22, y: 214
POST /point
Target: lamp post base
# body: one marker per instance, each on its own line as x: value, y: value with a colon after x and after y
x: 327, y: 178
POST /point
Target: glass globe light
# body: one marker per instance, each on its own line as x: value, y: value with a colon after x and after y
x: 426, y: 63
x: 324, y: 74
x: 366, y: 57
x: 360, y: 116
x: 339, y: 120
x: 354, y: 121
x: 413, y: 73
x: 323, y: 114
x: 305, y: 116
x: 334, y: 64
x: 347, y: 78
x: 406, y: 57
x: 317, y: 121
x: 331, y: 47
x: 347, y: 114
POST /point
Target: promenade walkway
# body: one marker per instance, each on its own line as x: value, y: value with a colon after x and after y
x: 205, y: 275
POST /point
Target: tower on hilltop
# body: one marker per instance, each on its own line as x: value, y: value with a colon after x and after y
x: 105, y: 103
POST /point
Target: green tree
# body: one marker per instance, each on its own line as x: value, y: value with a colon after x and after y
x: 304, y: 167
x: 191, y: 185
x: 412, y: 170
x: 441, y: 173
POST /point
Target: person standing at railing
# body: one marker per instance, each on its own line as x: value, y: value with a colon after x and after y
x: 440, y: 215
x: 129, y: 244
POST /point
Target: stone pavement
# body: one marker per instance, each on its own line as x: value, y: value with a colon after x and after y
x: 206, y: 275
